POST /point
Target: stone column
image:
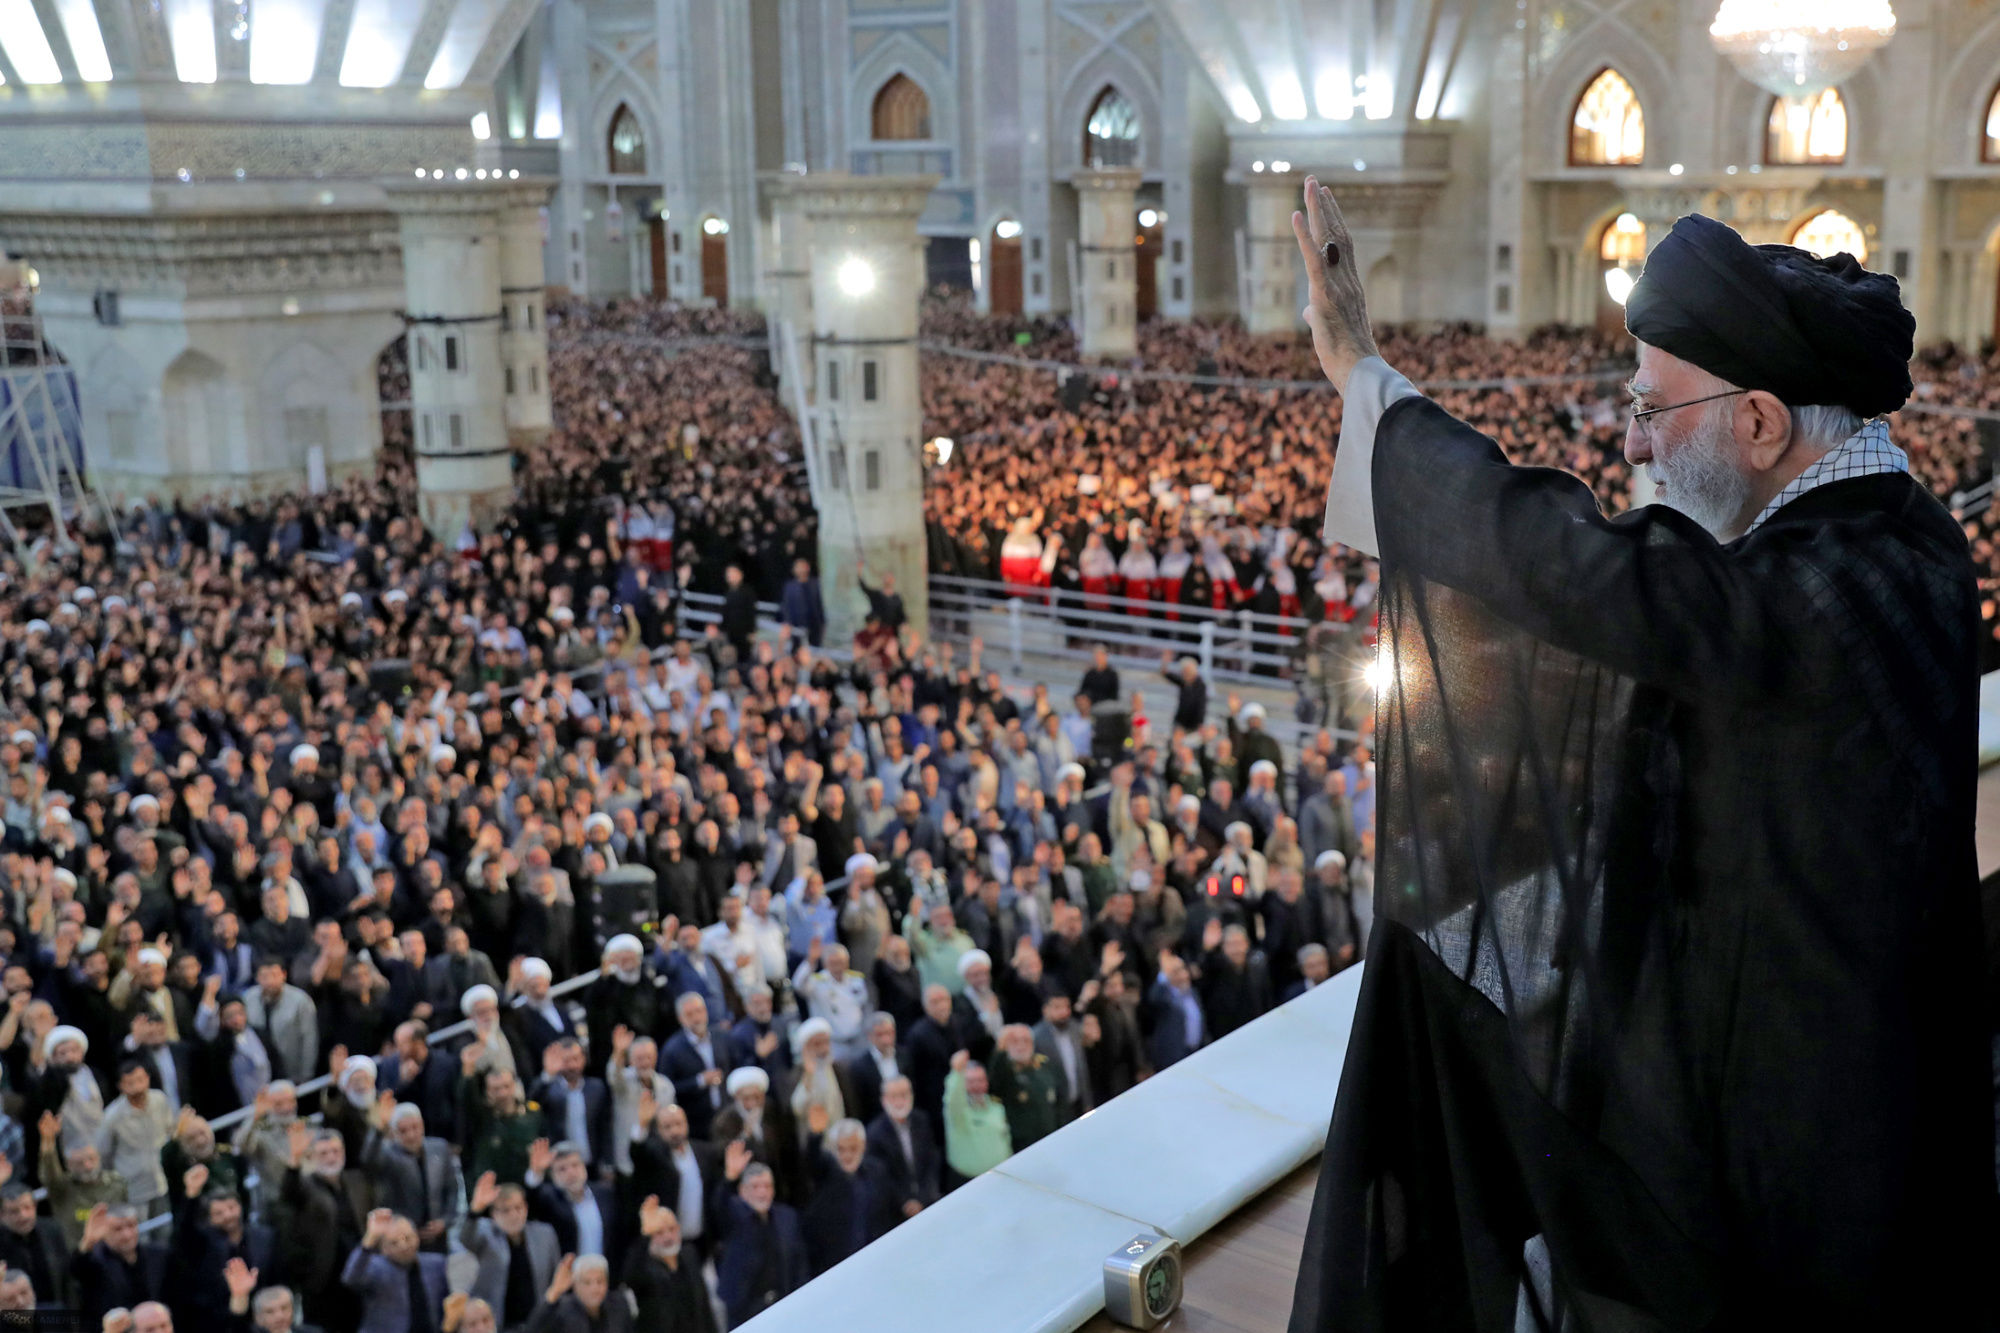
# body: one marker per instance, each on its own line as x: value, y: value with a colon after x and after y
x: 867, y: 265
x: 451, y: 283
x: 1107, y: 201
x: 524, y: 339
x: 1269, y: 292
x: 788, y: 297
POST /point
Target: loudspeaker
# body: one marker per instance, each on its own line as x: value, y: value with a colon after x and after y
x: 1206, y: 367
x: 1075, y: 391
x: 1989, y: 441
x: 1110, y: 731
x: 105, y: 306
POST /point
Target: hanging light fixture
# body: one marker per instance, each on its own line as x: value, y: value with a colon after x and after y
x: 1797, y: 47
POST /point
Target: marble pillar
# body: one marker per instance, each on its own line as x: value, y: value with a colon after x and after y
x: 788, y: 278
x: 1107, y: 299
x: 524, y: 341
x: 451, y: 279
x: 867, y: 265
x: 1270, y: 292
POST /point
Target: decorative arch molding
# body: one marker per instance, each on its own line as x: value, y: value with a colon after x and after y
x: 1606, y: 43
x: 117, y: 398
x: 1110, y: 66
x: 623, y: 90
x: 900, y: 53
x: 198, y: 403
x: 306, y: 397
x: 1964, y: 93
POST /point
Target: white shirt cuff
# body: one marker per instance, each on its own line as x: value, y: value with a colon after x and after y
x: 1350, y: 500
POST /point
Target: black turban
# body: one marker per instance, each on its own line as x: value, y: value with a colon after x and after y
x: 1773, y: 317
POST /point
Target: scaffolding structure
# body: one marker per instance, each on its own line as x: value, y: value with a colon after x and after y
x: 41, y: 426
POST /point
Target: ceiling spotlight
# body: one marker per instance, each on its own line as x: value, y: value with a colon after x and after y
x: 1676, y: 169
x: 1281, y: 166
x: 855, y: 275
x: 1007, y: 229
x: 1149, y: 217
x: 714, y: 227
x: 1360, y: 164
x: 290, y: 305
x: 420, y: 173
x: 514, y: 174
x: 437, y: 173
x: 460, y: 174
x: 1257, y: 166
x: 479, y: 173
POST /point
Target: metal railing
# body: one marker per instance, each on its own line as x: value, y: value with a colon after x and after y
x: 1229, y: 645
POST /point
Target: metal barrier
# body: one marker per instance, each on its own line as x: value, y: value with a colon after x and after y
x: 1230, y: 645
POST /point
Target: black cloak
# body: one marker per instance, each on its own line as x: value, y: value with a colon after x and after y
x: 1671, y: 1017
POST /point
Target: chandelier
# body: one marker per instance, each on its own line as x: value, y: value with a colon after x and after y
x: 1794, y: 48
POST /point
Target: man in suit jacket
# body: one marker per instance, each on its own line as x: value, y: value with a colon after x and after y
x: 210, y: 1229
x: 881, y: 1061
x: 1176, y: 1027
x: 379, y: 1272
x: 698, y: 1059
x: 789, y: 854
x: 933, y: 1041
x: 1061, y: 1038
x: 286, y: 1020
x: 901, y: 1139
x: 112, y: 1269
x: 421, y: 1077
x: 763, y: 1257
x: 323, y: 1208
x: 413, y: 1176
x: 680, y: 1172
x: 33, y: 1245
x: 583, y: 1211
x: 170, y: 1065
x: 575, y: 1106
x: 854, y: 1202
x: 497, y: 1232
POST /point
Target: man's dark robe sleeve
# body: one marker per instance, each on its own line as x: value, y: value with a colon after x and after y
x: 1671, y: 1014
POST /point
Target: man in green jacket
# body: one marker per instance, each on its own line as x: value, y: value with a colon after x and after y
x: 1027, y: 1086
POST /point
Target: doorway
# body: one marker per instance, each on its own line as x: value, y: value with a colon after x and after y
x: 656, y: 237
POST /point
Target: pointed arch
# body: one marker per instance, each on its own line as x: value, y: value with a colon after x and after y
x: 1807, y: 131
x: 196, y: 407
x: 1112, y: 130
x: 625, y: 143
x: 1830, y: 232
x: 901, y: 110
x: 1607, y: 123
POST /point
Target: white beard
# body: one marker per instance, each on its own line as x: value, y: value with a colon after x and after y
x: 1701, y: 479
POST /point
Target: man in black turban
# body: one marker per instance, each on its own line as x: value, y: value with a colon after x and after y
x: 1672, y: 1011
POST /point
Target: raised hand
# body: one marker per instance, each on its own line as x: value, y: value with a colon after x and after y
x: 469, y: 1058
x: 378, y: 1223
x: 621, y: 1040
x: 241, y: 1277
x: 297, y: 1137
x: 540, y: 1155
x: 767, y: 1043
x: 816, y: 1119
x: 1337, y: 308
x: 454, y: 1311
x: 560, y: 1283
x: 484, y: 1191
x: 49, y: 1126
x: 735, y: 1160
x: 652, y: 1217
x: 194, y: 1179
x: 649, y: 1106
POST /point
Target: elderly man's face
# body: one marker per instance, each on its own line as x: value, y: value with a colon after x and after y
x: 1692, y: 453
x: 410, y: 1132
x: 330, y: 1156
x: 758, y: 1191
x: 510, y: 1214
x: 592, y: 1285
x: 275, y: 1316
x: 152, y: 1317
x: 400, y: 1244
x: 570, y: 1173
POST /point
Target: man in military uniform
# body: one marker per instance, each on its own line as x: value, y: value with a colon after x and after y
x: 1027, y: 1085
x: 498, y: 1125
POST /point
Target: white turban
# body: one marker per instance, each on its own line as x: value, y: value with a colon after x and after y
x: 972, y: 958
x: 620, y: 943
x: 38, y: 626
x: 350, y: 599
x: 68, y: 609
x: 301, y: 753
x: 474, y: 996
x: 66, y: 876
x: 1263, y: 766
x: 1229, y: 833
x: 58, y: 1035
x: 114, y: 601
x: 861, y: 861
x: 1251, y: 713
x: 812, y: 1027
x: 1070, y: 771
x: 749, y: 1076
x: 1329, y: 857
x: 144, y: 801
x: 535, y: 967
x: 440, y: 753
x: 395, y: 595
x: 148, y: 956
x: 86, y: 593
x: 24, y: 737
x: 354, y: 1064
x: 597, y: 819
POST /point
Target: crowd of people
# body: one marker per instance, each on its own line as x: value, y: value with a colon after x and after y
x: 401, y: 932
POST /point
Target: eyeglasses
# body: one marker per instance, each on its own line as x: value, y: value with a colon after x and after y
x: 1641, y: 415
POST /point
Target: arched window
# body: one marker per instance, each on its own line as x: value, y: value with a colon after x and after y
x: 627, y: 143
x: 1807, y: 130
x: 1989, y: 141
x: 1609, y: 127
x: 1829, y: 233
x: 1111, y: 132
x: 1624, y: 240
x: 902, y: 110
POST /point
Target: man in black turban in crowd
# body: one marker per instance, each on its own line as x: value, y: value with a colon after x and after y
x: 1672, y: 1014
